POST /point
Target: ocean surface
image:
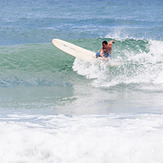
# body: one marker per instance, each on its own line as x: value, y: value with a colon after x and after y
x: 58, y: 109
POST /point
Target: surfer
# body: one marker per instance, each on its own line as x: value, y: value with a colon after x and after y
x: 106, y: 49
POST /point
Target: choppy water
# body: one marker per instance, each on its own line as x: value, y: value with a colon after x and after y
x: 55, y: 108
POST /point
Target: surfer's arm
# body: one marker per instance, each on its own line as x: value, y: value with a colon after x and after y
x: 110, y: 42
x: 101, y: 51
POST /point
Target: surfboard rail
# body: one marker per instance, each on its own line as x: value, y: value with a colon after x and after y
x: 74, y: 50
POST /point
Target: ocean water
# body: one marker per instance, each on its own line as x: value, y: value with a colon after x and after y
x: 58, y: 109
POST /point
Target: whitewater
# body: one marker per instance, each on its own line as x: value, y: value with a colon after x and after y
x: 58, y: 109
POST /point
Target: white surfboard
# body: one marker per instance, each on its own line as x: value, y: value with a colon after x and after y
x: 78, y: 52
x: 74, y: 50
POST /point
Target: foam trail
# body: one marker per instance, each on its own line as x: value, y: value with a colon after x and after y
x: 141, y: 65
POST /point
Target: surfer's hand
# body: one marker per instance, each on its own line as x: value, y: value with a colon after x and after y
x: 103, y: 59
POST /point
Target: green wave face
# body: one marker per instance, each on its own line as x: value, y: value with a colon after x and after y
x: 43, y: 64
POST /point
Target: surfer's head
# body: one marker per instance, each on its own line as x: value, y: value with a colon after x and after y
x: 104, y: 43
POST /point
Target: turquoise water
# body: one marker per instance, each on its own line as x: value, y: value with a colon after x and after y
x: 55, y: 108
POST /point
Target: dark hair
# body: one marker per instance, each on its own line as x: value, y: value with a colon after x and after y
x: 104, y: 42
